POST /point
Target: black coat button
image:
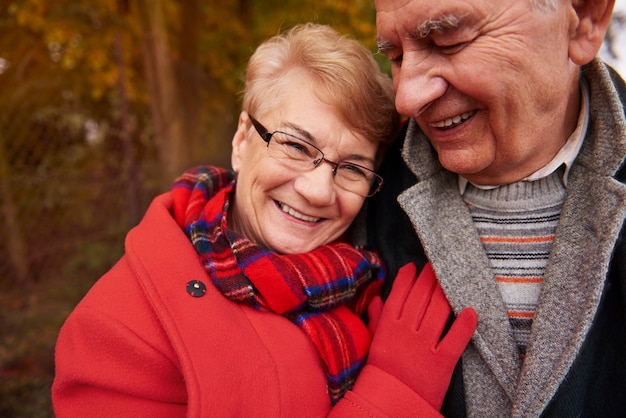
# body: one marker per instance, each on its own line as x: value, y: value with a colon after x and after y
x: 196, y: 288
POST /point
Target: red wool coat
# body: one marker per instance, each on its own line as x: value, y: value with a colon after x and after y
x: 140, y: 345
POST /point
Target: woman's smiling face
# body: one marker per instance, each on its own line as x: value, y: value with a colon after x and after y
x: 280, y: 208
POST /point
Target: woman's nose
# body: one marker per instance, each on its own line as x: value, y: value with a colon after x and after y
x: 317, y: 186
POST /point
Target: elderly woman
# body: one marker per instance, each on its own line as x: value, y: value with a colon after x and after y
x: 239, y: 293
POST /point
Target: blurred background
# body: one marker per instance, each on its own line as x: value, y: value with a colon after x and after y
x: 102, y: 104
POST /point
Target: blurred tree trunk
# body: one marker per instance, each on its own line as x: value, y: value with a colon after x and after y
x: 190, y: 78
x: 222, y: 117
x: 130, y: 163
x: 206, y: 133
x: 164, y: 97
x: 245, y: 12
x: 15, y: 242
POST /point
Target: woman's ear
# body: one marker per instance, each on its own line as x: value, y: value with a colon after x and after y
x: 589, y: 23
x: 239, y: 141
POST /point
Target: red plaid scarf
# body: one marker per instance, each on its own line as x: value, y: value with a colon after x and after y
x: 323, y: 291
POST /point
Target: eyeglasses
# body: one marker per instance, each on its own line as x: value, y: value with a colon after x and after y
x: 298, y: 154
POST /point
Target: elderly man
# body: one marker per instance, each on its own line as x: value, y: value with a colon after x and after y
x: 510, y: 179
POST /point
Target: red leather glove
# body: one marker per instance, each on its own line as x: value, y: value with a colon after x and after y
x: 407, y: 333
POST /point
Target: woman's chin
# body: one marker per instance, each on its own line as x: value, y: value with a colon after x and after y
x: 293, y: 246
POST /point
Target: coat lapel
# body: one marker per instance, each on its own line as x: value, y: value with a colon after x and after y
x: 451, y: 242
x: 572, y: 287
x: 591, y: 218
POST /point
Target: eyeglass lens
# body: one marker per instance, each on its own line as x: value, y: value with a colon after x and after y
x: 301, y: 155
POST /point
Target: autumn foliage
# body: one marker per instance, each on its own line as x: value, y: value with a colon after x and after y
x: 102, y: 104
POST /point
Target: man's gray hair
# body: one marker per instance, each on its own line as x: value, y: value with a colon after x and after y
x: 544, y: 5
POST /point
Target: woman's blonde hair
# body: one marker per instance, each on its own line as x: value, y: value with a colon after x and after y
x: 345, y: 72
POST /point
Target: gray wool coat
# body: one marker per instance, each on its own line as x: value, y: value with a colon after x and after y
x: 576, y: 360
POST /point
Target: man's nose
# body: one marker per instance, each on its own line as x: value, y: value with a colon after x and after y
x: 416, y: 86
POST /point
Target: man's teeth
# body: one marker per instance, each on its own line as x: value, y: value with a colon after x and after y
x: 453, y: 121
x: 295, y: 214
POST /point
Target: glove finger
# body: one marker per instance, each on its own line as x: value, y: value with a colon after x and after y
x: 374, y: 310
x: 435, y: 317
x: 460, y: 333
x: 419, y: 298
x: 401, y: 287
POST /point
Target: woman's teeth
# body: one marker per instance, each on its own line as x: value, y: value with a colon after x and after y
x: 295, y: 214
x: 447, y: 123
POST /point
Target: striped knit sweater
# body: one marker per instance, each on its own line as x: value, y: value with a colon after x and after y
x: 516, y: 224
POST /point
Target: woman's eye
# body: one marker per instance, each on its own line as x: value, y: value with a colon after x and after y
x: 352, y: 170
x: 295, y: 146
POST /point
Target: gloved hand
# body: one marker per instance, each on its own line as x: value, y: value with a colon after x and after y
x: 374, y: 311
x: 407, y: 333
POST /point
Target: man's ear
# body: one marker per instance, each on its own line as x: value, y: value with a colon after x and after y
x: 239, y: 141
x: 589, y: 23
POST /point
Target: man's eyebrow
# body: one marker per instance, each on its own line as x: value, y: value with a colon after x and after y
x: 444, y: 23
x: 384, y: 45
